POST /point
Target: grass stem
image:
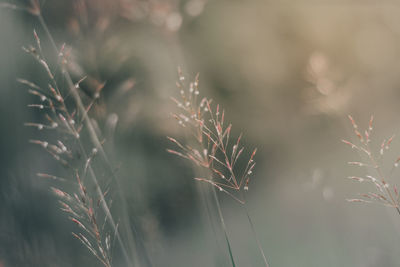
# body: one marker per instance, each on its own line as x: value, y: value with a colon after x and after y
x: 97, y: 144
x: 221, y: 217
x: 254, y: 232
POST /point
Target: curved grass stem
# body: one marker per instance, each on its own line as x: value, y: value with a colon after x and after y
x: 254, y: 232
x: 221, y: 217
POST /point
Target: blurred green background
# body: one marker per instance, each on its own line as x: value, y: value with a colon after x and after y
x: 287, y: 75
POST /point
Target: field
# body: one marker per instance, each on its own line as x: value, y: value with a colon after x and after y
x: 199, y: 133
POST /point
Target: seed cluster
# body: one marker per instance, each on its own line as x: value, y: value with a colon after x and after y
x: 213, y: 148
x: 385, y: 193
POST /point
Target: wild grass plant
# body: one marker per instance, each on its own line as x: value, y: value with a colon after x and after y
x: 372, y: 157
x: 77, y: 145
x: 214, y: 150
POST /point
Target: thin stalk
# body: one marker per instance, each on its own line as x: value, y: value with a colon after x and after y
x: 107, y: 210
x: 205, y: 200
x: 254, y: 232
x: 221, y: 217
x: 96, y: 142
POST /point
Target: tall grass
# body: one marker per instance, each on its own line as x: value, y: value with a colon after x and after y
x: 90, y: 208
x: 76, y: 143
x: 214, y: 151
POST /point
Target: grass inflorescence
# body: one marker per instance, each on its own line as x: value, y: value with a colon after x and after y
x: 213, y: 149
x: 65, y: 109
x: 384, y: 192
